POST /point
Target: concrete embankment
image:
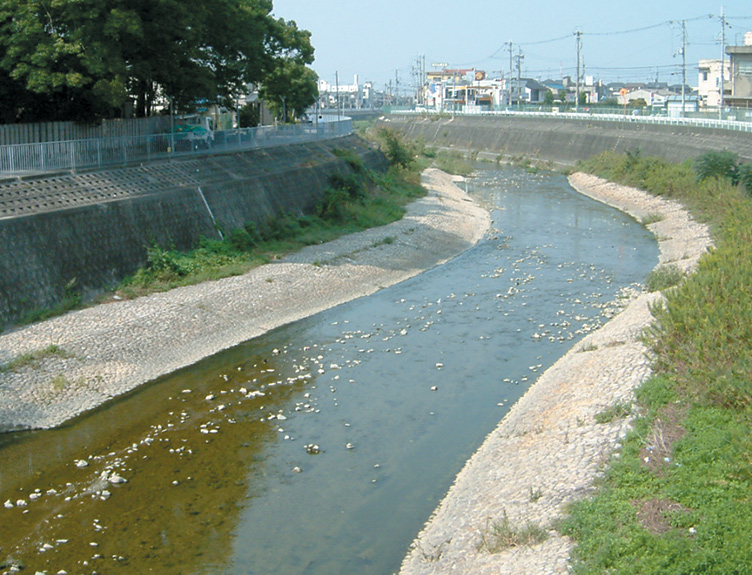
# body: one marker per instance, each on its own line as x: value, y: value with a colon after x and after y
x: 87, y: 231
x: 565, y: 141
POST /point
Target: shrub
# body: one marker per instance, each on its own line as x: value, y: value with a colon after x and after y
x: 745, y: 177
x: 396, y: 150
x: 718, y: 165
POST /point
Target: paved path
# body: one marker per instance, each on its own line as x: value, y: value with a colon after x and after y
x: 548, y: 450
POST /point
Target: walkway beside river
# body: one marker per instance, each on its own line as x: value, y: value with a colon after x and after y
x: 108, y: 350
x: 548, y: 450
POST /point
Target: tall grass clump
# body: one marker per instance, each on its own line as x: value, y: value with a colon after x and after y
x: 678, y: 499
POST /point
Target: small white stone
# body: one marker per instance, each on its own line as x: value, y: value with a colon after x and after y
x: 21, y: 503
x: 8, y: 504
x: 209, y: 397
x: 350, y: 446
x: 116, y: 479
x: 434, y: 388
x: 81, y: 463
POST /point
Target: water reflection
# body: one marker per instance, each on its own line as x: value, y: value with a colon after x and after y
x: 323, y: 446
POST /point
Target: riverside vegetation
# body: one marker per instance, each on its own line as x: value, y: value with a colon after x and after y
x: 676, y: 498
x: 356, y: 199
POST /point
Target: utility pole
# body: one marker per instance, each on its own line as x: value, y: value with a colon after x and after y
x: 520, y: 56
x: 577, y: 93
x: 510, y: 72
x: 396, y: 87
x: 684, y: 65
x: 723, y: 61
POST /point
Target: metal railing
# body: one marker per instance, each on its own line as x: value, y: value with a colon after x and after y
x: 72, y: 155
x: 607, y: 115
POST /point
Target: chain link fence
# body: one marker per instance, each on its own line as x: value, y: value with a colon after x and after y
x: 72, y: 155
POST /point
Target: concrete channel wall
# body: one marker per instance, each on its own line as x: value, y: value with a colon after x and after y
x: 566, y: 141
x: 90, y: 230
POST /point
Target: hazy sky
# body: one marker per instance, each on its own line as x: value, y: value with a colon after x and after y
x: 631, y: 40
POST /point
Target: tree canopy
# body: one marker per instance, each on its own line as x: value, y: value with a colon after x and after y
x: 85, y: 59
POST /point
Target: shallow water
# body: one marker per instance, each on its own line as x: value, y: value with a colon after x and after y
x: 323, y: 446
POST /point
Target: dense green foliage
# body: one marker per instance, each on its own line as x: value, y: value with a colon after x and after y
x: 677, y: 500
x: 85, y: 59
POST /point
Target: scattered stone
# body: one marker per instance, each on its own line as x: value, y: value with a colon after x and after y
x: 116, y: 479
x: 81, y: 463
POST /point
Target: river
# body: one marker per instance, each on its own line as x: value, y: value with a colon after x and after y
x: 323, y: 446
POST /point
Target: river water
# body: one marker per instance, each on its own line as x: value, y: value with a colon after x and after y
x: 323, y: 446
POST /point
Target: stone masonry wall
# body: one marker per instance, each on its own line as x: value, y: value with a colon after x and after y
x: 94, y: 228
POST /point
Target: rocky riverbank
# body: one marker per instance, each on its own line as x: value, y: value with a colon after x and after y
x: 548, y: 450
x: 68, y: 365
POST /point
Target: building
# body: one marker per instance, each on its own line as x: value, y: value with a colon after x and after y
x: 739, y: 86
x: 709, y: 82
x: 355, y: 96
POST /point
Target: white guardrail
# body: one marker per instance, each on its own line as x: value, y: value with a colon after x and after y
x: 734, y: 125
x: 30, y: 159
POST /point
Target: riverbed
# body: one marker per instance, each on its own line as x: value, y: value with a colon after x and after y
x: 323, y: 446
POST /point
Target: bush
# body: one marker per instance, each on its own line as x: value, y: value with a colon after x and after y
x: 745, y: 177
x: 718, y: 165
x: 351, y: 183
x: 396, y: 150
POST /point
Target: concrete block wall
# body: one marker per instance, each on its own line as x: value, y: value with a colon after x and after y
x: 95, y: 228
x: 567, y: 141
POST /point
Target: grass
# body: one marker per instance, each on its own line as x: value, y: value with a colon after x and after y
x: 33, y: 358
x: 677, y: 500
x: 614, y: 412
x: 663, y: 278
x: 502, y: 535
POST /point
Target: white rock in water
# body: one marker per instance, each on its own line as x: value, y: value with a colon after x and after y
x: 81, y: 463
x: 350, y: 446
x: 8, y: 504
x: 209, y: 397
x: 105, y: 495
x: 115, y: 479
x: 21, y: 503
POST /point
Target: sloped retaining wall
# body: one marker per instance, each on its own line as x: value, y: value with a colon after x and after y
x: 565, y: 141
x: 94, y: 228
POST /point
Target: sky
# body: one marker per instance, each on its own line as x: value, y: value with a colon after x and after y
x: 635, y: 40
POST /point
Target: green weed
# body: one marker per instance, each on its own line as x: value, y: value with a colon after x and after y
x: 501, y: 535
x: 677, y: 500
x: 33, y: 358
x: 616, y: 411
x: 663, y: 278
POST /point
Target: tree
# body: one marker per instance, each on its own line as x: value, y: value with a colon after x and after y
x: 87, y: 58
x: 289, y: 89
x: 548, y: 98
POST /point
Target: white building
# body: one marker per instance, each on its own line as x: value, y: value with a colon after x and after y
x: 351, y: 96
x: 709, y: 81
